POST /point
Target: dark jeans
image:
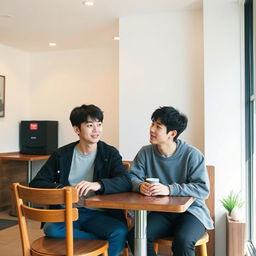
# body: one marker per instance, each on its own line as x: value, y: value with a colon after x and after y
x: 93, y: 224
x: 185, y: 229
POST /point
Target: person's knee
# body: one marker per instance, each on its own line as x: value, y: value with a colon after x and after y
x: 121, y: 232
x: 151, y: 236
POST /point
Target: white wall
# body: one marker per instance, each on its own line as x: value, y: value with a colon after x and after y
x: 63, y: 80
x: 14, y: 65
x: 160, y: 63
x: 47, y: 86
x: 223, y: 103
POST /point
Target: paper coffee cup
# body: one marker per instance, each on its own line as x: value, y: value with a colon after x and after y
x: 152, y: 180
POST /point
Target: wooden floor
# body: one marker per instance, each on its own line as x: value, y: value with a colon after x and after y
x: 10, y: 244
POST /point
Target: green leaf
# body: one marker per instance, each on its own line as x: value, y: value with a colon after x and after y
x: 232, y: 200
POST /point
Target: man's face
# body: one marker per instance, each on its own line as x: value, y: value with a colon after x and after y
x: 90, y: 131
x: 158, y: 133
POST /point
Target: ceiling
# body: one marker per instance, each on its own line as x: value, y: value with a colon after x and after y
x: 31, y: 24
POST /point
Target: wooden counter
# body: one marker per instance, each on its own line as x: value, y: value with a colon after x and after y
x: 14, y: 167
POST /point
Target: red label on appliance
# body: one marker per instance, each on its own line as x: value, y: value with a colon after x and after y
x: 33, y: 126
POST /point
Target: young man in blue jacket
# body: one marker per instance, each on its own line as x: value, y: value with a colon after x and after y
x: 93, y: 167
x: 182, y: 172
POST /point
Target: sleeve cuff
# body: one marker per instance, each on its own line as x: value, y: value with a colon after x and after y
x: 173, y: 190
x: 136, y: 186
x: 101, y: 190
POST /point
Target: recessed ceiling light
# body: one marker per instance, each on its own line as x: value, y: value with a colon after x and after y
x: 52, y: 44
x: 117, y: 38
x: 88, y: 2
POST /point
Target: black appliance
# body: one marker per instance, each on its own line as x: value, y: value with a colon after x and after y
x: 38, y: 137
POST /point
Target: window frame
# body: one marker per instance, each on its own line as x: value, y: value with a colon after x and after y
x: 250, y: 49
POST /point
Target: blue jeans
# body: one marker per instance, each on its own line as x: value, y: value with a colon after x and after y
x: 93, y: 224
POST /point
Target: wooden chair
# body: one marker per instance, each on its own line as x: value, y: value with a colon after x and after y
x: 46, y: 246
x: 201, y: 243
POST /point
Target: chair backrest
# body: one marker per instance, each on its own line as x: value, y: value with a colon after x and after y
x: 26, y: 196
x: 127, y: 165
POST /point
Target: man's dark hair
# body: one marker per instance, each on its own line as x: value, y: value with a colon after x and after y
x: 80, y: 114
x: 171, y: 118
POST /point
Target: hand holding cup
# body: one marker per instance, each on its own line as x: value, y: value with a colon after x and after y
x: 155, y: 188
x: 145, y: 186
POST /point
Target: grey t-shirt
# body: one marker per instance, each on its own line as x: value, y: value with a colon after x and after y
x: 184, y: 172
x: 82, y: 168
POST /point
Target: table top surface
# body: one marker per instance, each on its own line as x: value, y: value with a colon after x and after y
x: 136, y: 201
x: 17, y: 156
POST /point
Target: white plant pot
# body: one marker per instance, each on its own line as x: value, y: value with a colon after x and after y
x: 235, y: 214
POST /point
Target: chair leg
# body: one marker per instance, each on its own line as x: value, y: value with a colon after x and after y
x: 155, y: 246
x: 105, y: 253
x: 125, y: 251
x: 203, y: 250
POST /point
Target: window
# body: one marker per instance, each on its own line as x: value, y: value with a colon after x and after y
x: 250, y: 119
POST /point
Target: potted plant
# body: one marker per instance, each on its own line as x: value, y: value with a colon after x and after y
x: 235, y: 228
x: 232, y: 203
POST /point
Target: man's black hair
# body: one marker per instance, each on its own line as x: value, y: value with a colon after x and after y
x: 81, y: 114
x: 171, y: 118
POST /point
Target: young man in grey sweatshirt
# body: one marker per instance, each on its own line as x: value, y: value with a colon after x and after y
x: 182, y: 172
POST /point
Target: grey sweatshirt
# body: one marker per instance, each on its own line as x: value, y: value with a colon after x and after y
x: 184, y: 172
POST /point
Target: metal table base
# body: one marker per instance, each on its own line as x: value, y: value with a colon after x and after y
x: 140, y: 238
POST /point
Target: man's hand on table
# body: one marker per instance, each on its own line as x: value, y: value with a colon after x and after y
x: 155, y: 189
x: 83, y: 187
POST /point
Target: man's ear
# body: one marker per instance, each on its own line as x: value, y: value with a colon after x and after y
x: 76, y: 130
x: 172, y: 134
